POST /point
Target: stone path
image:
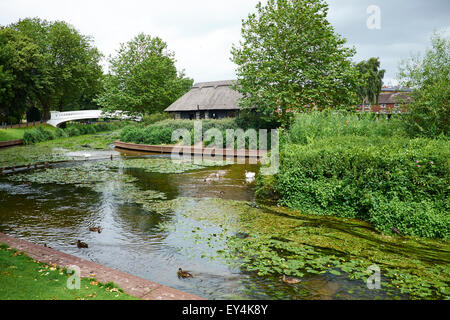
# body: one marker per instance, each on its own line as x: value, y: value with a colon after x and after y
x: 130, y: 284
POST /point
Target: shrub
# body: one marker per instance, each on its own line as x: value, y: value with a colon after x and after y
x: 317, y: 125
x: 357, y: 177
x: 60, y: 133
x: 72, y: 131
x: 155, y: 117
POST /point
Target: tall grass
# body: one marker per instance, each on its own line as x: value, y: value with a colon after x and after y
x: 316, y: 125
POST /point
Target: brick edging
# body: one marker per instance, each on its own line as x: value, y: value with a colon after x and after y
x: 132, y: 285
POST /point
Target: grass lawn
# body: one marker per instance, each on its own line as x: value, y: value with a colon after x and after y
x: 22, y: 278
x: 17, y: 134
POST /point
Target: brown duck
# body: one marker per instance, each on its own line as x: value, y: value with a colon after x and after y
x: 290, y: 280
x: 95, y: 229
x: 184, y: 274
x: 81, y: 244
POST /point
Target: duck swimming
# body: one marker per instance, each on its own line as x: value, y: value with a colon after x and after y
x: 96, y: 229
x: 184, y: 274
x: 290, y: 280
x: 82, y: 244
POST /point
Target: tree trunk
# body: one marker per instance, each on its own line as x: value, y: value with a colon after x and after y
x: 45, y: 113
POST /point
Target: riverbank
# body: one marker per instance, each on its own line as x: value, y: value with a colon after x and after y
x: 55, y: 150
x: 53, y: 260
x: 16, y: 133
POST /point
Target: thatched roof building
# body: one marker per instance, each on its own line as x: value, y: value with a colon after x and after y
x: 207, y: 100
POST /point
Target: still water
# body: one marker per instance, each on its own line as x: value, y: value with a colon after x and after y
x: 132, y: 240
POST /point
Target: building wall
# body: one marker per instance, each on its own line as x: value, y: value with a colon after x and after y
x: 212, y: 114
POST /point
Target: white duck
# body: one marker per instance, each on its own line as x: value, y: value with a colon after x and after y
x: 249, y: 176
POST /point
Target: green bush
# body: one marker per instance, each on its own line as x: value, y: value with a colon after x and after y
x: 72, y: 131
x: 60, y: 133
x: 155, y: 117
x: 36, y: 135
x: 356, y: 177
x: 316, y: 125
x: 161, y: 132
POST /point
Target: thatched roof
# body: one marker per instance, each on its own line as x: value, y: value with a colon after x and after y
x: 216, y: 95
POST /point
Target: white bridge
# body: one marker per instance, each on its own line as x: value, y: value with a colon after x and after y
x: 56, y: 117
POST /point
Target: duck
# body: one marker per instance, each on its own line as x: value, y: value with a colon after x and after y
x: 184, y: 274
x: 46, y: 164
x: 250, y: 175
x: 45, y: 245
x: 35, y: 165
x: 96, y: 229
x: 87, y: 156
x: 81, y: 244
x: 290, y: 280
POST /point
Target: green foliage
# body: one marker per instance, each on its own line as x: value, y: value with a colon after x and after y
x: 41, y: 134
x: 155, y: 117
x: 355, y: 167
x: 279, y: 71
x: 69, y: 72
x: 21, y: 73
x: 37, y: 135
x: 143, y: 78
x: 356, y: 177
x: 161, y: 132
x: 430, y: 111
x: 373, y: 80
x: 317, y: 125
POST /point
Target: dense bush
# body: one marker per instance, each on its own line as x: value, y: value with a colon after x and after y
x: 154, y: 117
x: 40, y: 134
x: 361, y: 166
x: 391, y: 182
x: 161, y: 132
x: 316, y: 125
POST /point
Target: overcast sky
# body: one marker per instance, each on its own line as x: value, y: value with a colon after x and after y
x: 201, y: 32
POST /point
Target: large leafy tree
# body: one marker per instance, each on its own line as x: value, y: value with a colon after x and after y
x: 21, y: 74
x: 71, y: 64
x: 143, y: 78
x: 429, y: 76
x: 370, y: 88
x: 290, y: 58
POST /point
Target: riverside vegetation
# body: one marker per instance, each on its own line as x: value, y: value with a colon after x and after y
x: 355, y: 167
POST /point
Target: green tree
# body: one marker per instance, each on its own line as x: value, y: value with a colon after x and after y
x: 290, y: 58
x: 429, y: 76
x: 143, y: 78
x: 370, y: 89
x: 21, y: 74
x: 71, y: 64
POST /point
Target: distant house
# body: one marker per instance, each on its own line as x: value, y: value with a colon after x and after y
x: 207, y: 100
x: 390, y: 101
